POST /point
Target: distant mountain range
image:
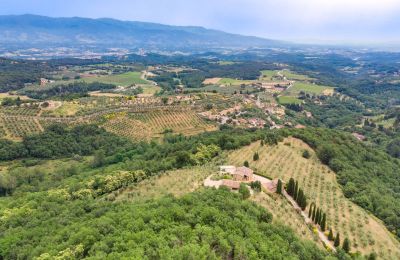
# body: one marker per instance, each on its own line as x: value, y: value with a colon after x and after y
x: 41, y: 31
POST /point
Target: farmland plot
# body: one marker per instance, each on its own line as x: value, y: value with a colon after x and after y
x: 366, y: 233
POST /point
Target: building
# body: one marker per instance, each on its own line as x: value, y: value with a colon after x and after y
x: 238, y: 173
x: 233, y: 185
x: 243, y: 174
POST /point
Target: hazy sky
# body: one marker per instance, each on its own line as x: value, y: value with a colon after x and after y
x: 336, y: 21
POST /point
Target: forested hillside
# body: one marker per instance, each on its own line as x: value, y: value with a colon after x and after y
x: 208, y: 225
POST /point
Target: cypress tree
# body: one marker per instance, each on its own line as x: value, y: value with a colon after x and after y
x: 246, y: 164
x: 299, y: 197
x: 317, y: 216
x: 290, y: 187
x: 256, y: 156
x: 330, y: 236
x: 310, y: 210
x: 262, y: 142
x: 323, y: 222
x: 337, y: 240
x: 304, y: 202
x: 346, y: 245
x: 314, y: 213
x: 296, y: 190
x: 279, y: 187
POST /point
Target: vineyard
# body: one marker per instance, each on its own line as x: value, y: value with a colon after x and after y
x: 145, y: 125
x: 366, y: 233
x: 15, y: 127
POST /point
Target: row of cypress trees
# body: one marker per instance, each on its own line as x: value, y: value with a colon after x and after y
x: 297, y: 193
x: 317, y: 216
x: 314, y: 213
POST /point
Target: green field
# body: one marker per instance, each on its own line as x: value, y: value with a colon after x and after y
x: 269, y: 75
x: 295, y: 76
x: 230, y: 81
x: 125, y: 79
x: 284, y: 100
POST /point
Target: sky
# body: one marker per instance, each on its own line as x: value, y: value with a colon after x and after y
x: 306, y: 21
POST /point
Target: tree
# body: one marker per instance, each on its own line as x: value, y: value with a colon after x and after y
x: 262, y: 142
x: 99, y: 159
x: 279, y: 187
x: 317, y: 215
x: 330, y: 236
x: 164, y: 100
x: 346, y: 245
x: 256, y: 156
x: 256, y: 185
x: 314, y: 214
x: 372, y: 256
x: 337, y: 240
x: 244, y: 191
x: 246, y: 164
x: 310, y: 209
x: 290, y: 187
x: 306, y: 154
x: 296, y: 190
x: 323, y: 222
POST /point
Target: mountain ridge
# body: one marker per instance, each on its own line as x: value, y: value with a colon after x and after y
x: 35, y: 30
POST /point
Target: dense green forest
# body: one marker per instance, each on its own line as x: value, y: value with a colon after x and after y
x: 14, y: 74
x: 60, y: 141
x: 210, y: 224
x: 67, y: 91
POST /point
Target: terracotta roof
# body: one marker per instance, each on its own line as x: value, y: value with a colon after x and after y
x: 231, y: 184
x: 244, y: 171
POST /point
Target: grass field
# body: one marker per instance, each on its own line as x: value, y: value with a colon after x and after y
x: 307, y: 88
x: 139, y: 126
x: 295, y: 76
x: 177, y: 183
x: 366, y: 233
x: 285, y: 100
x: 270, y: 76
x: 230, y: 81
x: 125, y: 79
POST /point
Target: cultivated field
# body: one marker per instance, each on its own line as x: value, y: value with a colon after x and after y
x: 307, y: 88
x: 153, y: 124
x: 125, y: 79
x: 366, y: 233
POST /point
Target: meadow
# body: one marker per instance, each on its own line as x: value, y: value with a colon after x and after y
x: 285, y: 100
x: 309, y: 88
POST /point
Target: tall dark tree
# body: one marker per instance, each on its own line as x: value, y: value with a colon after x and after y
x: 310, y: 210
x: 279, y: 187
x: 256, y: 156
x: 290, y: 187
x: 346, y: 245
x: 296, y: 190
x: 337, y: 240
x: 323, y: 222
x: 314, y: 213
x: 317, y: 216
x: 330, y: 236
x: 246, y: 164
